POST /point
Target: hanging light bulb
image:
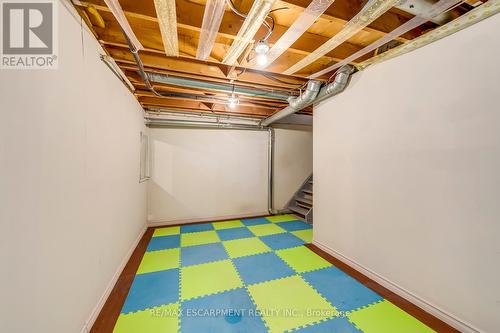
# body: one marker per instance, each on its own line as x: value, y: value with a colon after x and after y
x: 232, y: 101
x: 261, y: 49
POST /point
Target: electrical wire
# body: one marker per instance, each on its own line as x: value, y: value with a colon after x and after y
x: 270, y: 28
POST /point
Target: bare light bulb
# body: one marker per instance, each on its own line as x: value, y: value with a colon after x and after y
x: 261, y: 49
x: 262, y: 59
x: 232, y: 101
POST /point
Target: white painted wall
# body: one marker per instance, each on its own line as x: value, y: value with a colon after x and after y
x: 207, y: 173
x: 71, y: 205
x: 293, y: 161
x: 407, y: 181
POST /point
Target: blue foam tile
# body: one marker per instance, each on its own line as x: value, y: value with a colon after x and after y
x: 199, y: 254
x: 164, y: 242
x: 341, y: 290
x: 255, y: 221
x: 227, y: 312
x: 281, y: 241
x: 196, y: 227
x: 152, y: 289
x: 337, y: 325
x: 234, y: 233
x: 294, y: 225
x: 262, y: 267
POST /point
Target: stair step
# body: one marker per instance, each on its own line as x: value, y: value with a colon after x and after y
x: 307, y: 191
x: 306, y: 206
x: 300, y: 210
x: 304, y: 200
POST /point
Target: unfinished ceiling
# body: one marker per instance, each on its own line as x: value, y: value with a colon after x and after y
x: 247, y: 56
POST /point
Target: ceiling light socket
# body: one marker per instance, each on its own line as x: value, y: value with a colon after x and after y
x: 261, y: 47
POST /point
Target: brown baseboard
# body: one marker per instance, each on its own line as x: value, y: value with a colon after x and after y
x: 425, y: 317
x: 108, y: 316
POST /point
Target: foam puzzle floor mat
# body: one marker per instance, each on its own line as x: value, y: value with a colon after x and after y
x: 251, y: 275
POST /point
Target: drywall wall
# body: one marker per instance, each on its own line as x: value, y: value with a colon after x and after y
x: 212, y: 173
x: 293, y: 161
x: 71, y: 205
x: 207, y: 173
x: 407, y: 181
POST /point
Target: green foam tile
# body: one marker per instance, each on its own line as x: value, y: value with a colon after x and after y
x: 245, y: 247
x: 306, y: 235
x: 209, y: 278
x: 161, y: 319
x: 387, y: 318
x: 266, y: 229
x: 199, y: 238
x: 227, y: 224
x: 282, y: 218
x: 290, y: 303
x: 168, y: 231
x: 301, y: 259
x: 159, y: 261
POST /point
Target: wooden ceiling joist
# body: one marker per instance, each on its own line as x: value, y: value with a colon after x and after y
x: 373, y: 10
x: 165, y: 10
x: 206, y: 40
x: 212, y: 18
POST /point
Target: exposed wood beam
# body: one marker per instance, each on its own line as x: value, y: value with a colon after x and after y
x: 167, y: 19
x: 212, y: 17
x: 188, y: 35
x: 344, y: 10
x: 368, y: 13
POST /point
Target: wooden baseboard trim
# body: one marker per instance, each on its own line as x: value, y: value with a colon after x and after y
x: 392, y: 292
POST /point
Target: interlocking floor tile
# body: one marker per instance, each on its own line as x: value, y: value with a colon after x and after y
x: 209, y: 278
x: 262, y: 267
x: 152, y: 289
x: 199, y: 238
x: 334, y: 325
x: 282, y: 241
x: 250, y: 276
x: 167, y: 231
x: 281, y: 218
x: 306, y: 235
x: 164, y: 242
x: 161, y: 319
x: 227, y: 224
x: 289, y: 303
x: 159, y: 260
x: 386, y: 317
x: 255, y: 221
x: 227, y: 312
x: 198, y: 254
x: 341, y: 290
x: 196, y: 227
x: 235, y: 233
x: 266, y: 229
x: 295, y: 225
x: 245, y: 247
x: 301, y: 259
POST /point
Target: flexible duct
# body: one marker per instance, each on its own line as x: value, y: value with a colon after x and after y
x: 296, y: 104
x: 313, y: 94
x: 337, y: 86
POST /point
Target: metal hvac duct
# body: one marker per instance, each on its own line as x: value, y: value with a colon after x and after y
x: 296, y: 104
x: 314, y: 94
x: 338, y: 85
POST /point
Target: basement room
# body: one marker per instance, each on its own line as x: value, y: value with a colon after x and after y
x: 250, y: 166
